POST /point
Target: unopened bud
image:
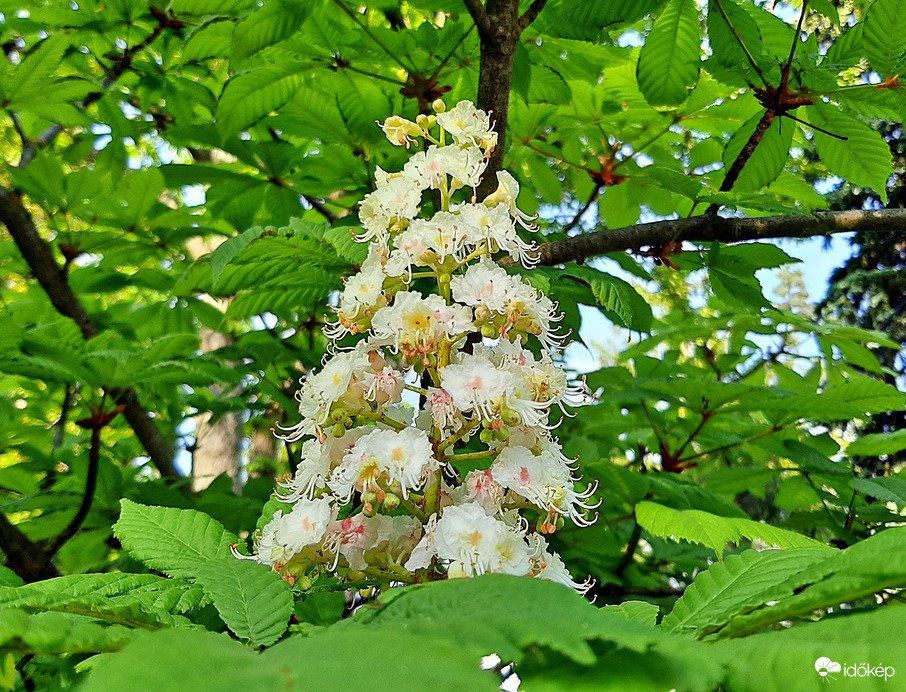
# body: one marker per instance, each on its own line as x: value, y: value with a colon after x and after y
x: 337, y: 415
x: 369, y: 498
x: 422, y: 121
x: 510, y: 417
x: 503, y: 435
x: 439, y: 106
x: 486, y: 436
x: 391, y: 502
x: 489, y: 331
x: 304, y: 583
x: 338, y: 430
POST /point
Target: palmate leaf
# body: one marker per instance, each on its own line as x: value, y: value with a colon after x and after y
x: 885, y: 489
x: 33, y: 77
x: 173, y: 541
x: 669, y: 60
x: 711, y: 530
x: 253, y: 600
x: 740, y: 583
x: 786, y: 659
x: 863, y: 159
x: 269, y: 24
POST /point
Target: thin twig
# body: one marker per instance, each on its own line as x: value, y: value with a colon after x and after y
x: 796, y: 36
x: 742, y: 44
x: 450, y: 54
x: 631, y: 547
x: 91, y: 480
x: 578, y: 217
x: 364, y: 27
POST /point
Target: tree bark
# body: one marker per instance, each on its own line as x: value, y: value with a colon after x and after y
x: 710, y: 228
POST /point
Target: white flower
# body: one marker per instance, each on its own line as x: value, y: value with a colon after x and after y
x: 443, y: 411
x: 479, y: 486
x: 477, y: 384
x: 361, y: 296
x: 475, y: 543
x: 400, y: 131
x: 468, y: 125
x: 392, y: 202
x: 493, y: 228
x: 545, y: 481
x: 284, y: 536
x: 413, y: 325
x: 379, y: 540
x: 427, y: 243
x: 385, y: 460
x: 317, y: 460
x: 429, y: 169
x: 506, y: 193
x: 548, y: 565
x: 321, y: 391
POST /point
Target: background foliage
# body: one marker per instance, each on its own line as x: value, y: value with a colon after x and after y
x: 180, y: 184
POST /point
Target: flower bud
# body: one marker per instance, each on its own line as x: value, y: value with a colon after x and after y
x: 391, y: 502
x: 439, y: 106
x: 338, y: 430
x: 489, y: 331
x: 486, y: 436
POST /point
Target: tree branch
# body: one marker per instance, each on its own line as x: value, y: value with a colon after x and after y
x: 531, y: 14
x: 24, y: 556
x: 91, y: 481
x: 479, y: 16
x: 710, y: 228
x: 39, y: 257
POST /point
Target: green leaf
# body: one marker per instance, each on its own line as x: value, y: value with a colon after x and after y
x: 205, y: 7
x: 726, y: 47
x: 786, y: 658
x: 769, y: 157
x: 33, y: 77
x: 739, y: 583
x: 863, y: 159
x: 616, y: 298
x: 711, y: 530
x: 885, y: 36
x: 269, y: 24
x: 885, y: 489
x: 333, y: 660
x: 861, y: 570
x: 877, y: 444
x: 227, y: 251
x: 59, y: 633
x: 253, y: 600
x: 669, y: 60
x: 250, y: 96
x: 173, y: 541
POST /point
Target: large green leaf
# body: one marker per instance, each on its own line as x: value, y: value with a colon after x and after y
x: 253, y: 600
x: 860, y: 571
x: 785, y: 659
x: 250, y: 96
x: 879, y: 443
x: 711, y: 530
x: 616, y: 298
x: 59, y: 633
x: 739, y: 583
x: 864, y: 158
x: 173, y: 541
x: 885, y: 36
x: 338, y: 659
x: 669, y: 60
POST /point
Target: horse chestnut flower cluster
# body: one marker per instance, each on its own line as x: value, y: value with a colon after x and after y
x: 427, y: 450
